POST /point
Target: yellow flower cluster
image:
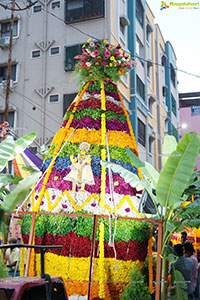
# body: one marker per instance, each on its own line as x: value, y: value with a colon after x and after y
x: 77, y: 268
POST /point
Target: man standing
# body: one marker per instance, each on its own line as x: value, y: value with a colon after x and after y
x: 12, y: 257
x: 189, y: 252
x: 185, y: 267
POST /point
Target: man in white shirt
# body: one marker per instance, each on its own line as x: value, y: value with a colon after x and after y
x: 13, y: 257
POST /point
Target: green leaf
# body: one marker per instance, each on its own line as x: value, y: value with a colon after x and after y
x: 128, y: 176
x: 192, y: 223
x: 23, y: 142
x: 150, y: 173
x: 171, y: 225
x: 179, y: 292
x: 169, y: 146
x: 137, y: 162
x: 175, y: 176
x: 6, y: 150
x: 20, y: 192
x: 30, y: 169
x: 147, y: 169
x: 5, y: 179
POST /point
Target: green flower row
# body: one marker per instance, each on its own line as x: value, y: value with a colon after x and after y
x: 83, y: 226
x: 96, y: 86
x: 73, y: 148
x: 95, y: 114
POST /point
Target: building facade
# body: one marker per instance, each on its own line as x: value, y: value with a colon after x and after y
x: 152, y: 89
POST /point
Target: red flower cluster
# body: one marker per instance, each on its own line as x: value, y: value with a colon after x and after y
x: 79, y: 246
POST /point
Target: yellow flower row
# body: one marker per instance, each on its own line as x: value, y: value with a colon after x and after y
x: 115, y: 138
x: 77, y: 268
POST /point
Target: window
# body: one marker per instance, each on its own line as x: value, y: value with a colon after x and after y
x: 140, y: 87
x: 70, y: 53
x: 139, y: 12
x: 173, y: 105
x: 55, y: 4
x: 4, y: 71
x: 67, y: 100
x: 37, y: 8
x: 140, y: 51
x: 173, y: 75
x: 11, y: 115
x: 79, y: 10
x: 123, y: 22
x: 163, y: 60
x: 141, y: 133
x: 53, y: 98
x: 54, y: 50
x: 35, y: 53
x: 5, y: 29
x: 122, y: 27
x: 164, y: 91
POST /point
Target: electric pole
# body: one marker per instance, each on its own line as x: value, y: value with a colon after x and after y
x: 9, y: 63
x: 14, y: 7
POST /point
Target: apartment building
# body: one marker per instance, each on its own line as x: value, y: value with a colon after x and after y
x: 150, y: 83
x: 46, y: 38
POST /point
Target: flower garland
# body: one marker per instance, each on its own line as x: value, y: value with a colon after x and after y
x: 59, y: 144
x: 151, y: 287
x: 22, y: 262
x: 101, y: 60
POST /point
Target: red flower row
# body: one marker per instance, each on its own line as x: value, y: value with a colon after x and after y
x: 79, y: 246
x: 96, y: 103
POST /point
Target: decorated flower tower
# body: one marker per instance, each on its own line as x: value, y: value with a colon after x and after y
x: 96, y: 127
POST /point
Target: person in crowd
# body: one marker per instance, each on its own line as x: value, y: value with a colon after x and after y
x: 185, y: 267
x: 183, y: 237
x: 12, y: 258
x: 190, y: 253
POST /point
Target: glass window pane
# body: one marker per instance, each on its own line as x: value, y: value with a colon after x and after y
x: 36, y: 53
x: 55, y: 50
x: 37, y: 8
x: 55, y: 5
x: 53, y: 98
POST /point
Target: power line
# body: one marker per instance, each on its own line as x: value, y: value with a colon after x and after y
x: 31, y: 101
x: 30, y: 116
x: 133, y: 57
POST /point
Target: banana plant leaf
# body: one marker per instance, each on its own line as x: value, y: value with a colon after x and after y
x: 20, y: 192
x: 177, y: 171
x: 169, y: 146
x: 148, y: 170
x: 9, y: 148
x: 8, y: 178
x: 6, y: 150
x: 178, y: 292
x: 128, y: 176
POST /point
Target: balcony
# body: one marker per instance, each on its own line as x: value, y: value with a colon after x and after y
x: 80, y: 10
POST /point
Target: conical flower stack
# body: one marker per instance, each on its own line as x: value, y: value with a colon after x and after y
x: 96, y: 127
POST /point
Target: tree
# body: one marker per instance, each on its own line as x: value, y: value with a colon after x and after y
x: 175, y: 183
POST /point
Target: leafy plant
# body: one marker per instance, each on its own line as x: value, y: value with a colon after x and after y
x: 137, y: 289
x: 173, y: 186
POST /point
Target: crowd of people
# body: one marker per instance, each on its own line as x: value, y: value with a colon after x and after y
x: 187, y: 265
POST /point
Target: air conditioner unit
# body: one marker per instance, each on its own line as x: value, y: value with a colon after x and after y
x: 4, y: 42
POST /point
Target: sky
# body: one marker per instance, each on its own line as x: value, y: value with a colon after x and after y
x: 181, y: 27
